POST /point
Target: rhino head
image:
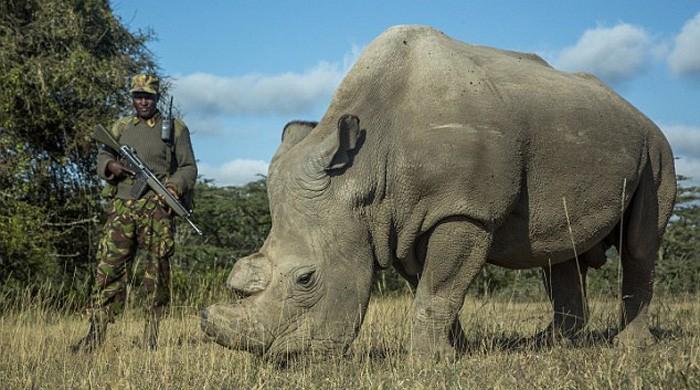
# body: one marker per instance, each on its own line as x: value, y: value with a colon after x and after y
x: 308, y: 287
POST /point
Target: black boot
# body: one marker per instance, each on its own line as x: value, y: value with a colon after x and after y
x: 95, y: 335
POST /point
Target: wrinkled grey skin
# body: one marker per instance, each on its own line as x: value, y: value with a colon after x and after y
x: 436, y: 157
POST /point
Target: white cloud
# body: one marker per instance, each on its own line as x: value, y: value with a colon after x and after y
x: 204, y: 95
x: 685, y: 57
x: 685, y: 142
x: 234, y: 173
x: 285, y: 94
x: 202, y: 124
x: 613, y: 54
x: 689, y: 167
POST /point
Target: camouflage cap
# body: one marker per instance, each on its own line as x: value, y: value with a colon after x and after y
x: 145, y: 83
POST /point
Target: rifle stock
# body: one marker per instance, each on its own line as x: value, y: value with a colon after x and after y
x: 101, y: 135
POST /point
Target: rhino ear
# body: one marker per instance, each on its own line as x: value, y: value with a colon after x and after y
x: 341, y: 142
x: 293, y: 133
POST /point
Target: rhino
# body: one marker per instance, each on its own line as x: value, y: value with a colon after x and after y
x: 436, y: 157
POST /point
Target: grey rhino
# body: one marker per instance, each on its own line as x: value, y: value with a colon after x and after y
x: 435, y: 157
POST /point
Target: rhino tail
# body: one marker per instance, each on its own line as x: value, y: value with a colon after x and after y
x: 664, y: 173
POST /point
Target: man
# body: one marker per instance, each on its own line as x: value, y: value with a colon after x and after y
x: 143, y: 222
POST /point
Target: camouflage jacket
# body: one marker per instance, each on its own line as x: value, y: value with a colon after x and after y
x: 174, y: 165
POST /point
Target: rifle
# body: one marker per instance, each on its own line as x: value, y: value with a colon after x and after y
x: 144, y: 176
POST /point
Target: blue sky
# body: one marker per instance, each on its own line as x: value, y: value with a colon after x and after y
x: 242, y: 69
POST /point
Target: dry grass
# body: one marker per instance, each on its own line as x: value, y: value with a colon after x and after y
x: 34, y: 345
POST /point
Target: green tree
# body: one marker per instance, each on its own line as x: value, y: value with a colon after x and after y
x: 235, y: 221
x: 678, y: 268
x: 64, y: 65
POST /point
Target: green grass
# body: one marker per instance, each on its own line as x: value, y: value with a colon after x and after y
x: 34, y: 343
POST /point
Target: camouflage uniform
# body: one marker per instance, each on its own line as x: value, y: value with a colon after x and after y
x: 142, y: 223
x: 132, y: 224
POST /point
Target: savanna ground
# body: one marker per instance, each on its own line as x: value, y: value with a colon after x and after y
x: 34, y: 343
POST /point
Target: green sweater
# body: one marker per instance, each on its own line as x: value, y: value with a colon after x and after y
x: 144, y: 137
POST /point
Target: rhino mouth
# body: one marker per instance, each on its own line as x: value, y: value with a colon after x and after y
x: 234, y: 326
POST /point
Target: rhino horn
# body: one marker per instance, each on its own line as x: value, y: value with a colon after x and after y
x: 250, y: 275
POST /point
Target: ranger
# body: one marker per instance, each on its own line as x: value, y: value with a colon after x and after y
x: 139, y: 221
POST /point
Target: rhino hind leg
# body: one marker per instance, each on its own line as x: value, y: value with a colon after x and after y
x: 639, y: 251
x: 455, y: 253
x: 565, y: 284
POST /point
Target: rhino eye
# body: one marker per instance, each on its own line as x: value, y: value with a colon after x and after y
x: 305, y: 279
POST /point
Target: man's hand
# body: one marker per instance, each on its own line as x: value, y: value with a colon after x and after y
x: 162, y: 201
x: 172, y: 190
x: 118, y: 170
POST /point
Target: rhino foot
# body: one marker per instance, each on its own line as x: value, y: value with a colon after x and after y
x: 550, y: 337
x: 429, y: 347
x: 634, y: 337
x: 557, y: 335
x: 434, y: 353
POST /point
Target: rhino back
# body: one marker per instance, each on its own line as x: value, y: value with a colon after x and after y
x: 499, y: 137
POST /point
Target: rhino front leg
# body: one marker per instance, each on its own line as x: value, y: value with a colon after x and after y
x: 456, y: 251
x: 457, y: 339
x: 565, y: 284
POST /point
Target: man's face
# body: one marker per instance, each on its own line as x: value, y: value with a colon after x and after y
x: 144, y: 104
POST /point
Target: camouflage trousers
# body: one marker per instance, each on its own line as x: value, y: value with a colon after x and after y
x: 133, y: 225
